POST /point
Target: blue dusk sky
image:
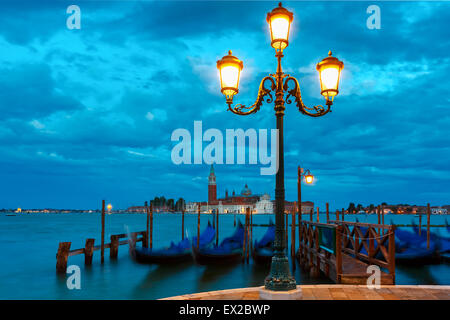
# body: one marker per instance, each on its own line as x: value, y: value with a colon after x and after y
x: 88, y: 114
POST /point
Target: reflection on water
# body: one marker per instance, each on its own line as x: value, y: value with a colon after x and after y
x: 30, y: 274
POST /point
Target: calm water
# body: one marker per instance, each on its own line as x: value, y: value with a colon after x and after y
x: 29, y: 242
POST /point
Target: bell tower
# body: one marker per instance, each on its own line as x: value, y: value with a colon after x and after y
x: 212, y: 188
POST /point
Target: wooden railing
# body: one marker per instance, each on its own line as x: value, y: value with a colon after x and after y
x: 355, y: 245
x: 313, y: 257
x: 377, y: 240
x: 64, y: 251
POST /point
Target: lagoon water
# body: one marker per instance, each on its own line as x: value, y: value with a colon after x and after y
x: 29, y: 242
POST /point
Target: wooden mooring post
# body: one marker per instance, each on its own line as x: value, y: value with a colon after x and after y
x: 251, y: 230
x: 343, y: 214
x: 62, y: 256
x: 379, y: 216
x: 299, y: 204
x: 151, y: 227
x: 217, y: 227
x: 198, y: 227
x: 114, y: 247
x: 318, y: 217
x: 382, y: 218
x: 182, y: 224
x: 88, y: 251
x: 147, y: 226
x: 337, y: 215
x: 420, y: 223
x: 293, y: 234
x: 286, y: 228
x: 311, y: 214
x: 428, y: 225
x: 103, y: 233
x: 328, y: 211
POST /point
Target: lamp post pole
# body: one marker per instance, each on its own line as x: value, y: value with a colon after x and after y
x: 230, y: 67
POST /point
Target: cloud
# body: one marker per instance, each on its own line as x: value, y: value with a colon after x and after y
x: 88, y: 114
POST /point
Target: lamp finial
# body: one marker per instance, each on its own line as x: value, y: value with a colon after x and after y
x: 329, y: 53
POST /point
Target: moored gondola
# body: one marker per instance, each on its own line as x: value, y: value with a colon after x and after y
x: 262, y: 252
x: 176, y: 253
x: 229, y: 251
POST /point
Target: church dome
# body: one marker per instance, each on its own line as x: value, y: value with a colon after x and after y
x: 246, y: 191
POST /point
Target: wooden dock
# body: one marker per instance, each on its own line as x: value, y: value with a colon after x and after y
x: 343, y: 251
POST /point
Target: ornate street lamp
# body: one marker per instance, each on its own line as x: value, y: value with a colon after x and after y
x: 279, y: 84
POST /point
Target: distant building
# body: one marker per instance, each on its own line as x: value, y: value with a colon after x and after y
x: 438, y: 210
x: 239, y: 203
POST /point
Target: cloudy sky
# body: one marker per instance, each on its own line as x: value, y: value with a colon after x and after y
x: 88, y: 114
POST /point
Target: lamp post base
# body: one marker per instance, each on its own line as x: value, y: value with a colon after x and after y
x: 295, y: 294
x: 280, y: 278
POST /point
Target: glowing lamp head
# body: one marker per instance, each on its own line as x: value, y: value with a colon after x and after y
x: 309, y: 178
x: 329, y: 73
x: 230, y: 69
x: 109, y: 207
x: 279, y: 20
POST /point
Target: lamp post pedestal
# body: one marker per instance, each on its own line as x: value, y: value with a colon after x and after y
x: 295, y: 294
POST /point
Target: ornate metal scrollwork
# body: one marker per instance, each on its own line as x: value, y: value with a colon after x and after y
x: 262, y: 92
x: 315, y: 111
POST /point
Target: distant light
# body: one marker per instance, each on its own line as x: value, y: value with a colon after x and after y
x: 109, y: 208
x: 309, y: 178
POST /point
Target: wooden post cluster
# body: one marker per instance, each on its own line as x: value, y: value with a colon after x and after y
x: 64, y: 251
